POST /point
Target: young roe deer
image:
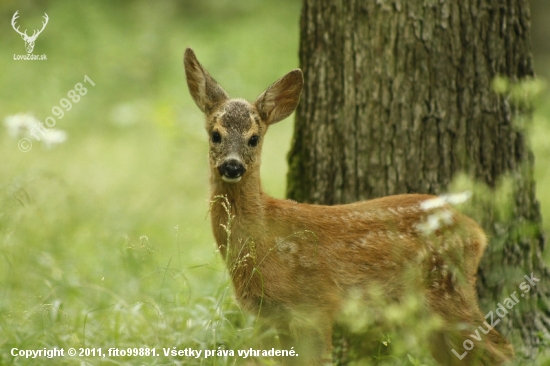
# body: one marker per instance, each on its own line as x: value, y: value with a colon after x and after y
x: 295, y: 264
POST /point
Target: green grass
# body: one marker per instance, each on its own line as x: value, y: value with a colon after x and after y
x: 105, y: 240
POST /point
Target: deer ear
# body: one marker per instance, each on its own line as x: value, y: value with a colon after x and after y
x: 281, y: 98
x: 206, y: 92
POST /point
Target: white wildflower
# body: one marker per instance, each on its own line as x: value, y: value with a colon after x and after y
x: 457, y: 198
x: 442, y: 216
x: 431, y: 225
x: 54, y: 137
x: 20, y: 124
x: 435, y: 222
x: 432, y: 203
x: 440, y: 201
x: 26, y: 125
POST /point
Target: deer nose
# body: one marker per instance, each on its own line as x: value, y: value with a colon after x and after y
x: 231, y: 170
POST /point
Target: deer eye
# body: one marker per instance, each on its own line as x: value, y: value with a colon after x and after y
x: 216, y: 137
x: 253, y: 142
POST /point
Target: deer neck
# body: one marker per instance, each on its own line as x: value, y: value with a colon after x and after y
x: 246, y: 204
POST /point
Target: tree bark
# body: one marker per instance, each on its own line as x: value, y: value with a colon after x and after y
x: 398, y: 99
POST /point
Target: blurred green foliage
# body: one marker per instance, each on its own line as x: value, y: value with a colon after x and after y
x: 104, y: 239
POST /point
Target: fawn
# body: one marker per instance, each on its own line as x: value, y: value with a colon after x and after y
x: 296, y: 264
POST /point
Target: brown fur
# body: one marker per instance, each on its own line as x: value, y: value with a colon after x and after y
x: 296, y: 264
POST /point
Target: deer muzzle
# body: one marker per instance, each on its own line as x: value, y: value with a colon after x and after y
x: 231, y: 170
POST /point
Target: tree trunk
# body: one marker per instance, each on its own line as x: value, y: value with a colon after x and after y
x: 398, y: 98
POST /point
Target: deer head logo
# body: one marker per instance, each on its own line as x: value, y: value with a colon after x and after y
x: 29, y: 41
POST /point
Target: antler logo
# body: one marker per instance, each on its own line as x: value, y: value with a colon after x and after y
x: 29, y: 41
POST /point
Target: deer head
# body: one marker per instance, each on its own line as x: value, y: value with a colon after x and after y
x: 236, y: 127
x: 29, y: 41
